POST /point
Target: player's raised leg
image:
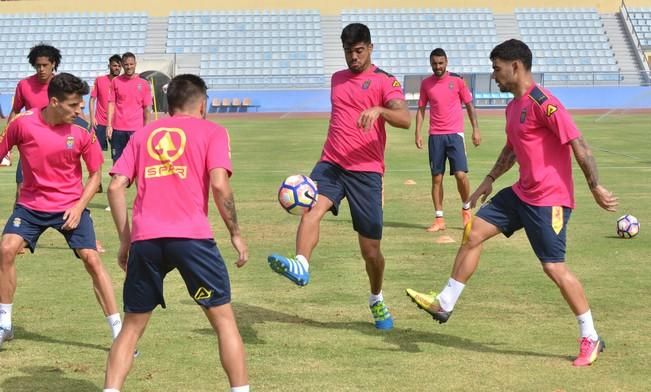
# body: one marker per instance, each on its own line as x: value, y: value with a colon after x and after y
x: 296, y: 269
x: 465, y: 264
x: 231, y: 347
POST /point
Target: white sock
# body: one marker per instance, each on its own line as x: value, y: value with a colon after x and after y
x: 373, y: 298
x: 586, y: 325
x: 115, y: 323
x: 450, y: 294
x: 5, y: 315
x: 301, y: 259
x: 439, y: 214
x: 243, y: 388
x: 466, y: 206
x: 111, y: 390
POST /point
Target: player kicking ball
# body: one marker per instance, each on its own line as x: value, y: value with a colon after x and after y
x: 52, y: 146
x: 541, y: 137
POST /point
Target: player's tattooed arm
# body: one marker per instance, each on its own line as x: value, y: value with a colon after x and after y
x: 505, y: 161
x: 588, y: 164
x: 586, y: 160
x: 230, y: 216
x: 399, y: 115
x: 223, y: 196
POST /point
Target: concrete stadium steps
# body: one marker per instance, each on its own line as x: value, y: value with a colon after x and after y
x: 156, y: 35
x: 506, y: 27
x: 333, y: 55
x: 623, y: 49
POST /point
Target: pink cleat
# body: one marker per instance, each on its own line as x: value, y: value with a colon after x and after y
x: 589, y: 351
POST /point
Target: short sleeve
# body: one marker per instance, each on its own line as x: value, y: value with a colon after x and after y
x: 557, y: 119
x: 146, y: 95
x: 93, y: 92
x: 9, y: 138
x: 464, y: 92
x: 19, y: 99
x: 423, y: 98
x: 91, y: 151
x: 392, y: 90
x: 219, y: 151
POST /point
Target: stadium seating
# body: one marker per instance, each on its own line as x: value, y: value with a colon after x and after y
x: 86, y: 41
x: 641, y: 20
x: 569, y: 45
x: 404, y: 38
x: 251, y: 48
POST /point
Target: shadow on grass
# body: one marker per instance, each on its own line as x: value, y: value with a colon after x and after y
x: 403, y: 339
x: 399, y: 225
x: 23, y: 334
x: 46, y: 378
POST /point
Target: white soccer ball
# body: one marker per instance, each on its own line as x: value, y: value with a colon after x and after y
x: 297, y: 194
x: 627, y: 226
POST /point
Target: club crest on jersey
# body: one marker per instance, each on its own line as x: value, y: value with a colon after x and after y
x: 551, y: 109
x: 166, y: 145
x: 139, y: 87
x: 366, y: 85
x: 523, y: 116
x: 70, y: 142
x: 451, y: 86
x: 396, y: 84
x: 16, y: 222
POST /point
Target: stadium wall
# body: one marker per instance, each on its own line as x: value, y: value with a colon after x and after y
x: 334, y: 7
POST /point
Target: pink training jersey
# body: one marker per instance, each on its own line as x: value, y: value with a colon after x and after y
x: 170, y: 159
x: 51, y: 159
x: 539, y: 130
x: 131, y: 96
x: 346, y: 145
x: 103, y: 92
x: 445, y: 96
x: 30, y: 93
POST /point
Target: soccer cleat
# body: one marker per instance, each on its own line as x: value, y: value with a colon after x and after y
x: 589, y: 351
x: 381, y: 315
x: 430, y: 304
x: 108, y: 208
x: 437, y: 225
x: 6, y: 335
x: 292, y: 269
x: 466, y: 216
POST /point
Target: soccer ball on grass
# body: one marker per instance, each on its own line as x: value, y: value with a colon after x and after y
x: 627, y: 226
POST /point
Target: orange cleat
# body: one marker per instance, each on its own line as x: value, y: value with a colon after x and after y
x: 437, y: 225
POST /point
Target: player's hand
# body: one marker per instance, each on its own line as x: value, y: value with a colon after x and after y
x: 123, y: 256
x: 367, y: 118
x: 483, y: 190
x: 604, y: 198
x: 419, y: 141
x: 476, y: 137
x: 93, y: 123
x: 71, y: 216
x: 109, y: 132
x: 242, y: 250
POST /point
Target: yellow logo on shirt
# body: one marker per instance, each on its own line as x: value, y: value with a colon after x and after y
x: 166, y: 145
x: 396, y: 83
x: 551, y: 109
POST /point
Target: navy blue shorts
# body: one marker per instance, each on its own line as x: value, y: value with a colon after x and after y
x: 452, y: 147
x: 363, y: 190
x: 19, y: 172
x: 30, y: 224
x: 546, y: 227
x: 100, y: 133
x: 119, y: 140
x: 199, y: 262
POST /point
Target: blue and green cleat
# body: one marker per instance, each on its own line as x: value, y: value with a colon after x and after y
x: 381, y: 315
x: 292, y: 269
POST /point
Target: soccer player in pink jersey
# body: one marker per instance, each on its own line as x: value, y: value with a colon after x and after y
x: 183, y: 157
x: 128, y: 107
x: 52, y: 147
x: 99, y: 99
x: 541, y: 137
x: 446, y: 92
x: 31, y: 92
x: 364, y: 98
